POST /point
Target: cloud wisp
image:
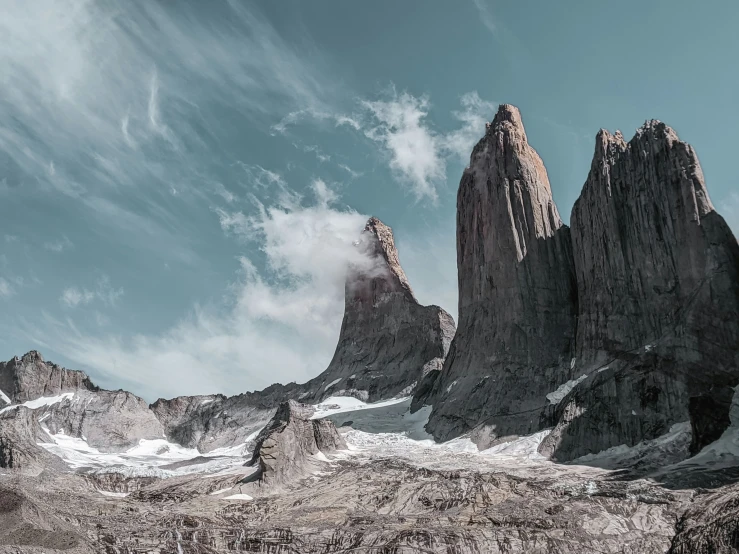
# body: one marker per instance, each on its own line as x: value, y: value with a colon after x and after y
x: 418, y: 154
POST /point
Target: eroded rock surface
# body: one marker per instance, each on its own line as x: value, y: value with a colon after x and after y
x: 19, y: 435
x: 517, y: 306
x: 29, y: 377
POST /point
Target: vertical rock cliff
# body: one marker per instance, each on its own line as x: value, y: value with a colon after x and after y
x: 658, y: 288
x: 517, y: 300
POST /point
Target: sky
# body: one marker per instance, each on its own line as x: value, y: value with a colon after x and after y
x: 181, y: 182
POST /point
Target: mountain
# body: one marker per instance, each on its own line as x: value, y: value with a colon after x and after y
x: 658, y: 299
x: 517, y: 304
x: 387, y: 345
x: 612, y: 344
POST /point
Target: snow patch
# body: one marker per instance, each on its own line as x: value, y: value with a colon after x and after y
x: 450, y: 386
x: 41, y: 402
x: 114, y: 494
x: 341, y: 404
x: 238, y: 497
x: 4, y: 398
x: 331, y: 384
x: 215, y: 493
x: 563, y: 390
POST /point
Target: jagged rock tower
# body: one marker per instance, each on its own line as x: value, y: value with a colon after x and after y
x: 388, y: 341
x: 517, y: 305
x: 658, y: 288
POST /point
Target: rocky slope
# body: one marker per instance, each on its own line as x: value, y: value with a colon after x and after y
x: 30, y: 377
x: 658, y: 299
x: 388, y: 343
x: 517, y: 301
x: 67, y: 401
x: 19, y: 437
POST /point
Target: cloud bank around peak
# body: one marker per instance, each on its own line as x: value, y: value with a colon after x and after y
x: 277, y: 323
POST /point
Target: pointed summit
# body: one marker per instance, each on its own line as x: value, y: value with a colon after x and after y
x: 379, y: 273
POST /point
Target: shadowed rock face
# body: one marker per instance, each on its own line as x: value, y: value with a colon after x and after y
x: 658, y: 291
x: 388, y: 343
x: 30, y: 377
x: 517, y: 302
x: 286, y: 446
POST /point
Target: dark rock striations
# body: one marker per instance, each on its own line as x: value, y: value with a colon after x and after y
x: 287, y: 447
x: 658, y: 299
x: 517, y: 302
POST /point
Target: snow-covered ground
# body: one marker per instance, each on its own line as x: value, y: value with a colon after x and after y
x: 342, y: 404
x: 150, y: 458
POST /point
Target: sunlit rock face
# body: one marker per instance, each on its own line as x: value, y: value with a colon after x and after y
x: 612, y: 331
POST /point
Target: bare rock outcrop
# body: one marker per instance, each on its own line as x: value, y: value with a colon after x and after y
x: 658, y: 299
x: 517, y: 305
x: 286, y: 448
x: 111, y: 421
x: 29, y: 377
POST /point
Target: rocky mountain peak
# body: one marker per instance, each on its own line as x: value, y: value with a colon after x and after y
x: 516, y: 310
x: 508, y: 120
x: 380, y: 273
x: 29, y: 377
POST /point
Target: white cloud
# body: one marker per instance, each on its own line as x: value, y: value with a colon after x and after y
x: 474, y: 114
x: 279, y: 322
x: 5, y: 288
x: 103, y: 292
x: 486, y: 15
x: 315, y: 115
x: 59, y: 245
x: 413, y: 147
x: 418, y: 154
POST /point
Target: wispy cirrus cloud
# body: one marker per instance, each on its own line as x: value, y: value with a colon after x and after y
x: 59, y: 245
x: 103, y: 292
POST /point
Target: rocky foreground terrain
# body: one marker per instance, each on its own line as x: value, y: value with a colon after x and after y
x: 587, y: 402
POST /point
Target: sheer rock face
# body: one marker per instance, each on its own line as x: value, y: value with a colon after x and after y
x: 286, y: 447
x: 388, y: 343
x: 517, y: 304
x: 658, y: 290
x: 30, y: 377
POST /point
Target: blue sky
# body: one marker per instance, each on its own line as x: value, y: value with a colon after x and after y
x: 180, y: 182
